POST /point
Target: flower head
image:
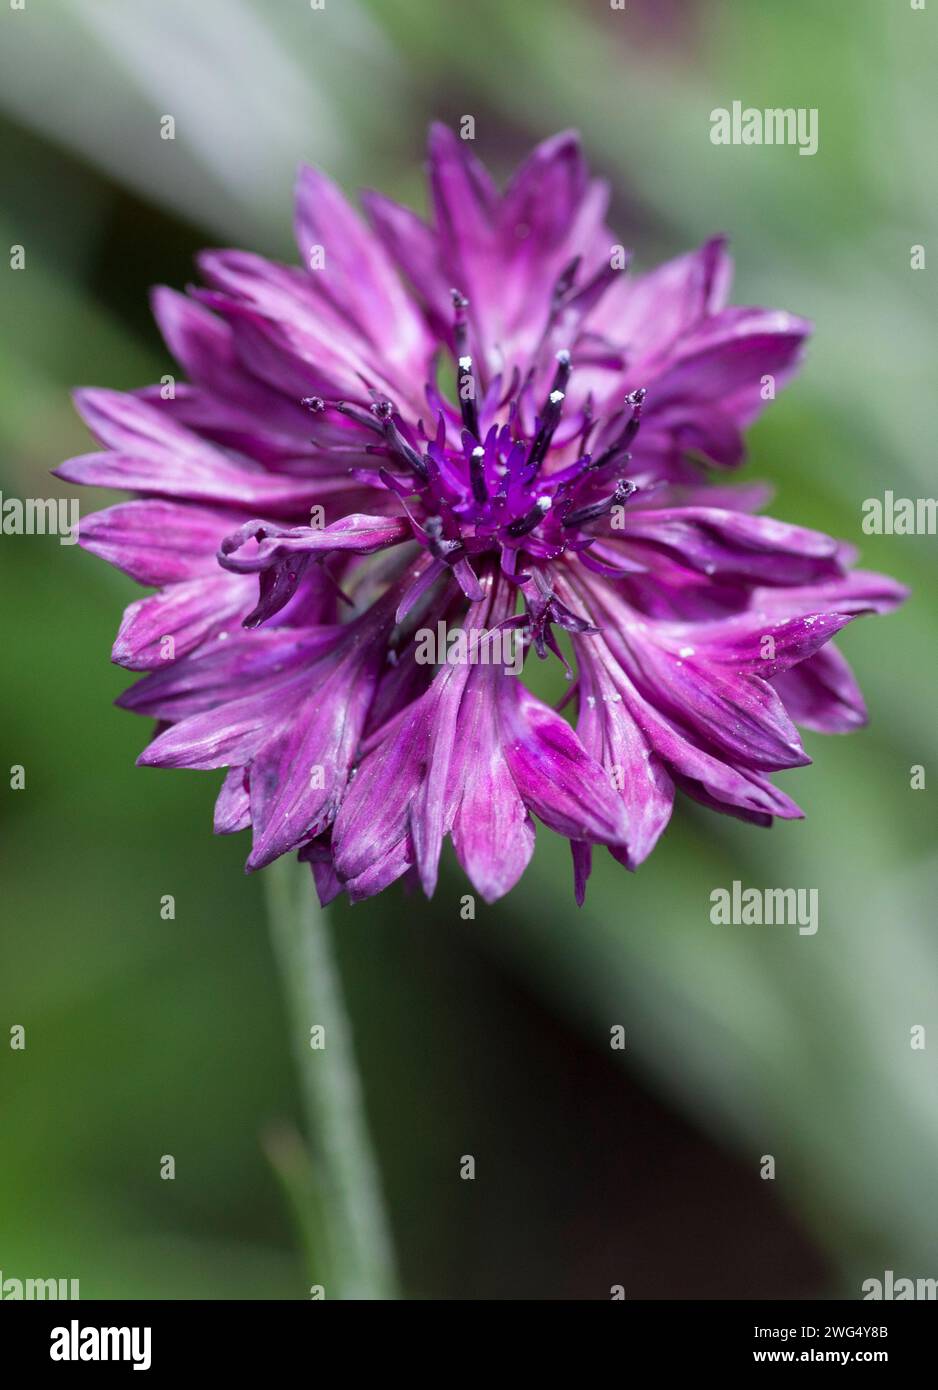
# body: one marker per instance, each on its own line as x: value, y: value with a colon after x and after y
x: 480, y: 424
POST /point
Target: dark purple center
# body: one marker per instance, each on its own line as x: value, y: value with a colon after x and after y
x: 491, y: 491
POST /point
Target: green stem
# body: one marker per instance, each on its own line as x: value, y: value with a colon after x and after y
x: 358, y: 1260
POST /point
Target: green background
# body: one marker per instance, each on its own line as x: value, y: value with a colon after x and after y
x: 490, y: 1037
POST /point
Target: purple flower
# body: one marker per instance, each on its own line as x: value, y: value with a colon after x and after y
x: 482, y: 422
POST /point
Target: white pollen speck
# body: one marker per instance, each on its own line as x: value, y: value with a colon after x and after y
x: 544, y: 503
x: 685, y: 651
x: 222, y: 636
x: 478, y: 452
x: 591, y: 701
x: 465, y: 363
x: 556, y: 397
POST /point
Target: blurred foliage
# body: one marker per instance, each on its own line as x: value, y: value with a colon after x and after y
x: 147, y: 1037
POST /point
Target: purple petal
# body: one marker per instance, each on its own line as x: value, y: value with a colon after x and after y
x: 188, y: 613
x: 281, y: 558
x: 755, y: 642
x: 149, y: 453
x: 298, y: 778
x: 743, y: 808
x: 722, y: 364
x: 227, y: 735
x: 732, y: 545
x: 738, y: 713
x: 361, y: 534
x: 374, y: 816
x: 862, y: 591
x: 822, y: 693
x: 582, y: 852
x: 318, y: 855
x: 416, y: 250
x: 380, y: 872
x: 233, y: 807
x: 556, y: 777
x: 243, y: 663
x: 358, y: 274
x: 156, y: 542
x: 204, y: 345
x: 718, y: 778
x: 492, y: 832
x: 650, y: 312
x: 609, y: 732
x: 290, y: 333
x: 464, y: 198
x: 434, y: 803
